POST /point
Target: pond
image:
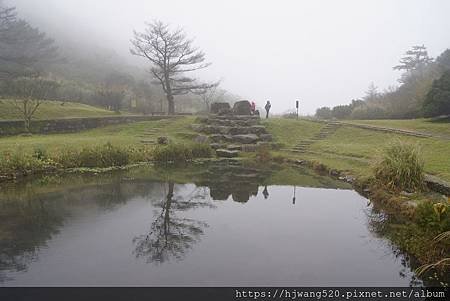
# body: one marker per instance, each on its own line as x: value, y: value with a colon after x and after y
x: 207, y: 226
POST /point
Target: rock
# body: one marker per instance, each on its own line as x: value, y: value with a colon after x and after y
x: 216, y: 107
x: 242, y: 130
x: 242, y: 108
x: 234, y: 147
x: 349, y: 179
x: 238, y: 130
x: 201, y: 139
x: 266, y: 137
x: 245, y: 139
x: 406, y: 193
x: 225, y: 153
x: 162, y: 140
x: 223, y: 112
x: 216, y: 145
x: 411, y: 204
x: 258, y: 129
x: 334, y: 173
x: 217, y: 138
x: 215, y: 129
x: 300, y: 162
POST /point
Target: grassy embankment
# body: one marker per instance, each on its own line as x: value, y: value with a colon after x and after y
x: 353, y: 149
x: 52, y: 110
x: 116, y: 145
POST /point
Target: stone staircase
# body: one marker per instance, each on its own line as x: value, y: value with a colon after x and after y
x: 231, y: 134
x: 149, y: 136
x: 329, y: 129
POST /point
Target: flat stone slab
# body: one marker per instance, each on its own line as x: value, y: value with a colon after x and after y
x: 234, y: 147
x: 225, y: 153
x: 243, y: 130
x: 245, y: 139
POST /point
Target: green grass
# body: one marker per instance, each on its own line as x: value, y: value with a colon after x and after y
x: 121, y: 135
x: 289, y: 132
x: 434, y: 127
x: 52, y: 110
x: 354, y: 149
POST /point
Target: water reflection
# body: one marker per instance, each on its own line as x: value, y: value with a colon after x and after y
x: 26, y: 226
x: 152, y: 216
x: 170, y: 236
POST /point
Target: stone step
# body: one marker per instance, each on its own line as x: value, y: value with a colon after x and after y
x: 229, y: 130
x: 226, y: 153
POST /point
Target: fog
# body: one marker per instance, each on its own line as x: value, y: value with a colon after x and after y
x: 323, y: 53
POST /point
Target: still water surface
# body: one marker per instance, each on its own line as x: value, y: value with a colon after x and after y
x: 122, y: 230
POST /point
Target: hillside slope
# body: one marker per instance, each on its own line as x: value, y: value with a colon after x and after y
x: 52, y: 110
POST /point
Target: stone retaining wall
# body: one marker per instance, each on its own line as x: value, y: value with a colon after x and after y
x: 438, y: 185
x: 68, y: 125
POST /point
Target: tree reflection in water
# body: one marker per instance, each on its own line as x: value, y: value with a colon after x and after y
x: 171, y: 236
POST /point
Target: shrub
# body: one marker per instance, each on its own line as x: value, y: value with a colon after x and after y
x: 180, y: 153
x: 19, y: 162
x: 202, y: 150
x: 400, y: 167
x: 433, y: 216
x: 113, y: 156
x: 175, y: 153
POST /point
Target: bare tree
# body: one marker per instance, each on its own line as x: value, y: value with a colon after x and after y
x: 210, y: 95
x: 28, y: 94
x: 171, y: 236
x: 172, y: 55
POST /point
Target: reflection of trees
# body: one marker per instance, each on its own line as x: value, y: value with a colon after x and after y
x: 25, y: 227
x: 171, y: 236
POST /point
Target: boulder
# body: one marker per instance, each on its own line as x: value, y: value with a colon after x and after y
x: 217, y: 137
x: 216, y: 107
x: 216, y: 145
x: 225, y: 153
x: 242, y: 108
x: 234, y: 147
x: 245, y: 139
x: 224, y: 112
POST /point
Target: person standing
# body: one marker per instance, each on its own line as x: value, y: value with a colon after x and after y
x: 253, y: 107
x: 267, y: 107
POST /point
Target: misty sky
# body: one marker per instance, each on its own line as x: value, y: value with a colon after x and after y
x: 322, y: 53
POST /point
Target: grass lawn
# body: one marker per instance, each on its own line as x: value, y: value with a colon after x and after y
x: 122, y: 135
x: 439, y: 127
x: 348, y: 148
x: 52, y: 110
x: 289, y: 132
x: 353, y: 149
